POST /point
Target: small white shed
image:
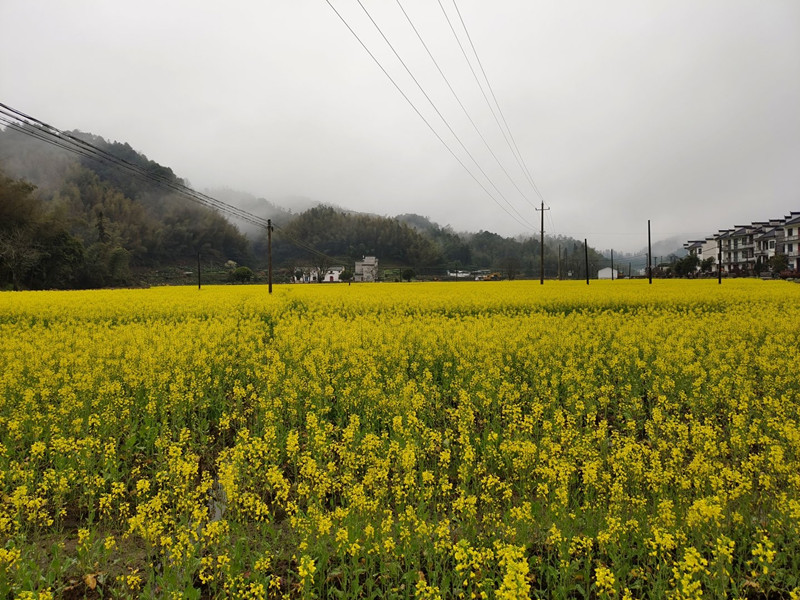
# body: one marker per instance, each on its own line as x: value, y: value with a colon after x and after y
x: 608, y: 273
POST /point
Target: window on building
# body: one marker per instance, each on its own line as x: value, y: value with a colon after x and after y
x: 772, y: 244
x: 789, y: 248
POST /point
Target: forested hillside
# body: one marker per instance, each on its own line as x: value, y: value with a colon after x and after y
x: 72, y: 221
x: 69, y: 221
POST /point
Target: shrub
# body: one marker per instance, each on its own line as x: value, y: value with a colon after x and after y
x: 242, y: 274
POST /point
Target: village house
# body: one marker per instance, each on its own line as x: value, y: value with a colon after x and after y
x: 366, y: 269
x: 333, y: 274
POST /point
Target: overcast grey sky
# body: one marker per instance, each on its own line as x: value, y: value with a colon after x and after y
x: 681, y: 111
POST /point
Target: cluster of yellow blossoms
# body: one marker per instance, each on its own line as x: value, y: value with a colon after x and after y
x: 464, y: 440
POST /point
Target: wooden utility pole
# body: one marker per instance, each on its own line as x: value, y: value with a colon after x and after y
x: 269, y: 254
x: 649, y: 255
x: 612, y: 264
x: 541, y: 258
x: 559, y: 262
x: 586, y: 253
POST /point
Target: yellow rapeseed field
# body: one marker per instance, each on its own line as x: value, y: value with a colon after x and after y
x: 464, y: 440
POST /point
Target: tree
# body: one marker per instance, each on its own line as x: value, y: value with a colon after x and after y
x: 707, y: 264
x: 346, y: 275
x: 510, y: 265
x: 18, y: 206
x: 18, y: 255
x: 36, y: 250
x: 321, y: 264
x: 778, y: 263
x: 686, y: 265
x: 63, y: 259
x: 242, y: 274
x: 408, y: 274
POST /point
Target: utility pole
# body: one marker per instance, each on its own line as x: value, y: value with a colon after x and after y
x: 719, y: 261
x: 586, y: 253
x: 559, y: 262
x: 541, y: 266
x: 269, y: 254
x: 198, y: 269
x: 649, y: 255
x: 612, y: 264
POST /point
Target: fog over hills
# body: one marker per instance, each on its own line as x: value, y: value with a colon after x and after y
x: 120, y: 226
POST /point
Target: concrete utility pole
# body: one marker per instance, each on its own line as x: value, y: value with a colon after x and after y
x: 269, y: 254
x: 649, y: 255
x: 541, y: 264
x: 719, y: 261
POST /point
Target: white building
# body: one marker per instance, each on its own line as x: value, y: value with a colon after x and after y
x: 768, y: 241
x: 366, y: 269
x: 746, y: 249
x: 791, y: 240
x: 608, y: 273
x: 333, y: 274
x: 307, y: 274
x: 724, y: 240
x: 304, y: 274
x: 710, y: 249
x: 744, y: 259
x: 694, y: 248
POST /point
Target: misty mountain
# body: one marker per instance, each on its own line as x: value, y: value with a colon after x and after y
x: 73, y: 221
x: 418, y: 222
x: 662, y: 249
x: 259, y: 207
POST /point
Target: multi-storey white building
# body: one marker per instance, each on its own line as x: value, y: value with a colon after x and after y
x: 791, y: 239
x: 743, y: 249
x: 694, y: 248
x: 710, y: 249
x: 747, y: 249
x: 725, y: 240
x: 769, y: 241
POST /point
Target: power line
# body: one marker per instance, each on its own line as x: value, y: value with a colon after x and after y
x: 435, y: 108
x: 512, y: 144
x: 419, y: 113
x: 47, y: 133
x: 460, y: 103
